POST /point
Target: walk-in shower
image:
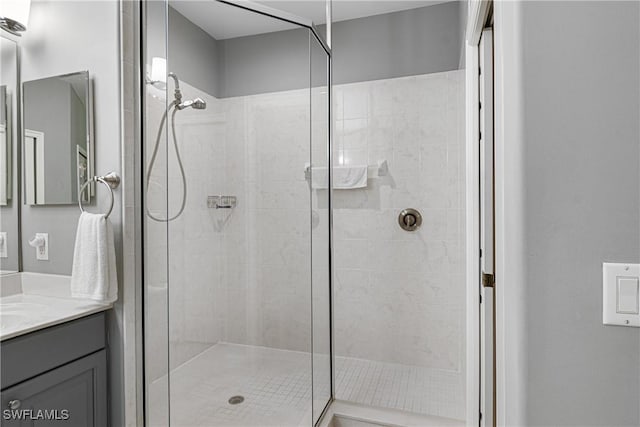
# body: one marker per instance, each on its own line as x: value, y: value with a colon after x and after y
x: 237, y: 277
x: 305, y: 239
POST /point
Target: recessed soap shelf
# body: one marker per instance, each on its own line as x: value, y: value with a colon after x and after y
x: 222, y: 202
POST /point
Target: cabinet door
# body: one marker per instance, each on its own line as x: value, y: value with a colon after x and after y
x: 78, y: 389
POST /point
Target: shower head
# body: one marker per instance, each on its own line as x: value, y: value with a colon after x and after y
x: 197, y: 104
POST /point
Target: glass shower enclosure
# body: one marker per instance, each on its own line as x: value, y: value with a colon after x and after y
x: 237, y: 198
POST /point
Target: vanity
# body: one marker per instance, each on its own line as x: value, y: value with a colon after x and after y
x: 53, y: 351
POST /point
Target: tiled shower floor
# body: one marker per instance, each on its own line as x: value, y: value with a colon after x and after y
x: 276, y: 386
x: 406, y: 388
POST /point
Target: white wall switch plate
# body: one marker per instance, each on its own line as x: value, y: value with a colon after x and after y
x: 42, y: 252
x: 3, y: 244
x: 621, y: 294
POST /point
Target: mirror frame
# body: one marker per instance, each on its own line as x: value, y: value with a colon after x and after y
x: 15, y: 153
x: 8, y: 149
x: 90, y: 140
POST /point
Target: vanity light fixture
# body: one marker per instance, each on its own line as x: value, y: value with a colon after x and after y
x: 14, y: 16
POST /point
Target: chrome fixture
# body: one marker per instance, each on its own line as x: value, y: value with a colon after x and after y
x: 177, y: 94
x: 15, y: 16
x: 196, y: 104
x: 222, y: 202
x: 110, y: 180
x: 234, y: 400
x: 410, y: 219
x: 177, y: 105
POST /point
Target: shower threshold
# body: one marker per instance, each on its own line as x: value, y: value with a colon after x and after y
x: 347, y: 414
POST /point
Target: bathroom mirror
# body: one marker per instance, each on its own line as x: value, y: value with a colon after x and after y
x: 9, y: 212
x: 57, y: 141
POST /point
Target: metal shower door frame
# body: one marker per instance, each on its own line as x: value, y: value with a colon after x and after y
x: 281, y: 15
x: 326, y: 45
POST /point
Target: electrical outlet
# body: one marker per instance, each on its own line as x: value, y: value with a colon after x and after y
x: 42, y: 252
x: 3, y: 245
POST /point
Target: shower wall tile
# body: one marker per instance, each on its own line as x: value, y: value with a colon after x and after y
x: 186, y: 289
x: 400, y: 297
x: 243, y: 275
x: 267, y: 238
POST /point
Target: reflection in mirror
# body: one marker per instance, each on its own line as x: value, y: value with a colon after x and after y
x: 9, y: 208
x: 5, y: 148
x: 57, y: 139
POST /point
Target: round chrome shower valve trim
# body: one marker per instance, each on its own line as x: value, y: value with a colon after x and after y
x: 410, y: 219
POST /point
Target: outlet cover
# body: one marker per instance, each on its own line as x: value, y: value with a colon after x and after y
x: 3, y: 245
x: 42, y: 252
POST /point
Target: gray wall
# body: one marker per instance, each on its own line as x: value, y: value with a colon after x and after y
x: 65, y: 37
x: 193, y: 54
x: 581, y: 91
x: 57, y: 44
x: 418, y: 41
x: 268, y: 62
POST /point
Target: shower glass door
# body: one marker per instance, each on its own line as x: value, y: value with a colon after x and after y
x: 236, y: 216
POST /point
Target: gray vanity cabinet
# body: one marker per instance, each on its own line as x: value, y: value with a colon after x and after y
x: 72, y: 393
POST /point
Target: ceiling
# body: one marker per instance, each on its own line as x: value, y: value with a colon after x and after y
x: 223, y: 22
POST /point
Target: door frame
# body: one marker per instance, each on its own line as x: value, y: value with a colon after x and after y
x: 510, y: 353
x: 478, y: 11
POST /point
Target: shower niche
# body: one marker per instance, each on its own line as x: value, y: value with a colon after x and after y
x: 237, y: 279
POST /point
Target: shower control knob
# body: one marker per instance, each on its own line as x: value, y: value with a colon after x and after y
x: 410, y: 219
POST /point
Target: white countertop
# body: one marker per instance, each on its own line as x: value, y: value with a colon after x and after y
x: 30, y: 302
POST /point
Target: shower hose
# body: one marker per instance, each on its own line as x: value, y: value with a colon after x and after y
x: 153, y: 160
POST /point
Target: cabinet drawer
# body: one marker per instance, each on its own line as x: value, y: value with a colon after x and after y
x: 40, y: 351
x: 71, y: 395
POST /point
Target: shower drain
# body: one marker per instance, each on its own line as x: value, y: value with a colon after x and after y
x: 234, y: 400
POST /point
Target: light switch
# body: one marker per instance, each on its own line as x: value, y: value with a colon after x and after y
x: 627, y: 295
x: 621, y: 294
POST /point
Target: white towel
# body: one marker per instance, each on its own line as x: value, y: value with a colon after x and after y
x: 94, y: 274
x: 344, y: 177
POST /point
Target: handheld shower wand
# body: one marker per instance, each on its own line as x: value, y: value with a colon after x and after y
x: 177, y: 104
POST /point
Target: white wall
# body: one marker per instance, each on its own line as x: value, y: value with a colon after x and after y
x: 571, y: 138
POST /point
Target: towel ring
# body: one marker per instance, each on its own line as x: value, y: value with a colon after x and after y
x: 110, y: 180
